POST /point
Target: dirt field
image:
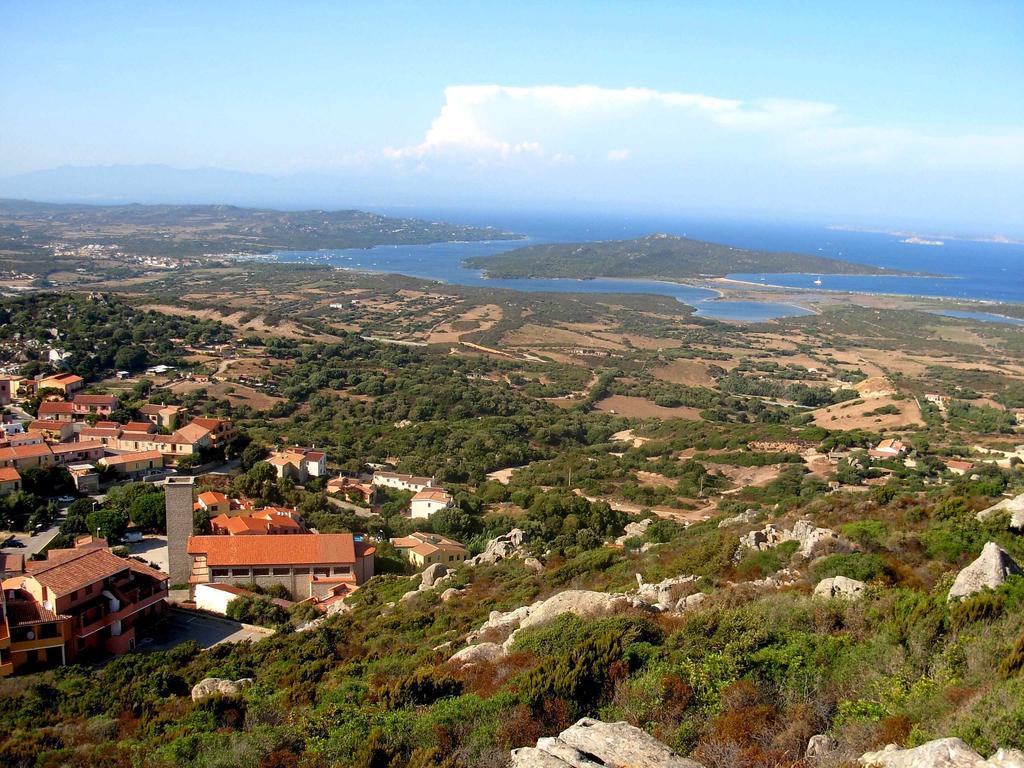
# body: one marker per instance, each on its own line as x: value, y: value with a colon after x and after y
x: 286, y: 328
x: 855, y: 416
x: 627, y: 436
x: 639, y: 408
x: 481, y: 318
x: 239, y: 394
x: 691, y: 373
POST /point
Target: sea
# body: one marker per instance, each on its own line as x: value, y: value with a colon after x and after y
x: 959, y: 269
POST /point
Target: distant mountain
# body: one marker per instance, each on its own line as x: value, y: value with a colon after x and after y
x: 655, y: 256
x: 190, y: 230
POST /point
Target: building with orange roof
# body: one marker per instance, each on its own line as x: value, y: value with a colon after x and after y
x: 428, y: 501
x: 350, y: 487
x: 52, y: 429
x: 135, y: 463
x: 213, y: 503
x: 219, y: 431
x: 423, y: 549
x: 264, y: 561
x: 266, y: 522
x: 165, y: 416
x: 56, y: 410
x: 10, y: 480
x: 23, y: 457
x: 299, y: 463
x: 95, y: 405
x: 68, y: 383
x: 76, y: 453
x: 102, y: 597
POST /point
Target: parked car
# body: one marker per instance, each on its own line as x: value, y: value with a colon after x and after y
x: 65, y: 499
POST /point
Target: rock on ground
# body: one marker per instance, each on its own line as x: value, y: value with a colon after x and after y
x: 1014, y: 507
x: 211, y: 686
x: 663, y: 595
x: 990, y: 570
x: 632, y: 530
x: 840, y: 586
x: 743, y: 518
x: 808, y: 535
x: 501, y: 548
x: 432, y: 573
x: 482, y: 652
x: 820, y: 745
x: 941, y: 753
x: 593, y: 743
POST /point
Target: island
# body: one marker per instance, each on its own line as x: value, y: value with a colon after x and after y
x: 656, y: 256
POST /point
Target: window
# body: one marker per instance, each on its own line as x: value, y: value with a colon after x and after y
x: 301, y: 570
x: 322, y: 571
x: 88, y: 589
x: 239, y: 571
x: 282, y: 571
x: 341, y: 570
x: 260, y: 571
x: 219, y: 572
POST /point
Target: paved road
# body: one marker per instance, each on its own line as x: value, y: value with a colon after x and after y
x: 179, y: 625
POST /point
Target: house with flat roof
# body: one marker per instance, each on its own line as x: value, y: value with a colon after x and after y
x: 267, y: 560
x: 423, y: 549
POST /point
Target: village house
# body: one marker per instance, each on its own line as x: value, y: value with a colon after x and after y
x: 423, y: 549
x: 107, y: 432
x: 56, y: 431
x: 23, y: 457
x: 213, y: 503
x: 23, y: 388
x: 31, y: 637
x: 56, y: 410
x: 99, y: 598
x: 265, y: 522
x: 299, y: 463
x: 218, y: 431
x: 349, y: 487
x: 402, y: 482
x: 76, y: 453
x: 428, y: 501
x: 330, y: 557
x: 162, y: 416
x: 10, y: 480
x: 888, y: 449
x: 958, y: 467
x: 95, y: 405
x: 67, y: 383
x: 134, y: 464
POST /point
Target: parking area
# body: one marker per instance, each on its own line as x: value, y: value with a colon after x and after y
x: 152, y: 549
x: 177, y: 626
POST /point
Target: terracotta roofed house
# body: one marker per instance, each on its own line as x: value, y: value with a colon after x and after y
x: 99, y: 405
x: 267, y: 522
x: 402, y: 482
x: 24, y: 457
x: 424, y: 549
x: 10, y: 480
x: 68, y: 383
x: 162, y: 415
x: 213, y: 502
x: 52, y: 429
x: 266, y: 560
x: 76, y: 453
x: 888, y: 449
x: 299, y: 463
x: 104, y: 595
x: 220, y: 430
x: 54, y: 410
x: 428, y: 501
x: 136, y: 463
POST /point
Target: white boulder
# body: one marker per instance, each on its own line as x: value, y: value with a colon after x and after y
x: 993, y: 566
x: 941, y: 753
x: 592, y: 743
x: 1013, y: 507
x: 840, y: 587
x: 216, y: 686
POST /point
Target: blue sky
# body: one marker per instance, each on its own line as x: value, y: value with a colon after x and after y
x: 848, y: 111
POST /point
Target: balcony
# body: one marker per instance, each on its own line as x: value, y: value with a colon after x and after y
x: 149, y: 596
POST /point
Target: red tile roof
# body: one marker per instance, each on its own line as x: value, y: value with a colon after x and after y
x: 212, y: 497
x: 74, y: 569
x: 108, y: 400
x: 25, y: 452
x: 139, y: 426
x: 128, y: 458
x: 192, y: 433
x: 297, y: 549
x: 55, y: 407
x: 9, y: 474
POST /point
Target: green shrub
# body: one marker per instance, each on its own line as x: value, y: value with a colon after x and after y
x: 424, y: 686
x: 867, y: 533
x: 854, y: 565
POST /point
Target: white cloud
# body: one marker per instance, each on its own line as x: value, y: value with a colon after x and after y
x: 549, y: 123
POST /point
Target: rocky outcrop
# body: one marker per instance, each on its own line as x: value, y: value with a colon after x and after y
x: 820, y: 745
x: 450, y: 594
x: 592, y: 743
x: 1014, y: 508
x: 840, y: 587
x: 809, y: 536
x: 989, y: 571
x: 432, y: 574
x: 743, y: 518
x: 666, y: 594
x: 217, y: 686
x: 481, y: 652
x: 501, y: 548
x: 941, y: 753
x: 632, y: 530
x: 506, y: 626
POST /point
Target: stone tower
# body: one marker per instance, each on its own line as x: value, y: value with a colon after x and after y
x: 178, y: 500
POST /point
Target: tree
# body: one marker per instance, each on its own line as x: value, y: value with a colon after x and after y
x: 107, y: 523
x: 149, y: 512
x: 252, y: 454
x: 201, y: 523
x: 131, y: 358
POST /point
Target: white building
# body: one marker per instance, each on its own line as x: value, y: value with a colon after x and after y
x: 428, y: 501
x: 215, y: 598
x: 402, y: 482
